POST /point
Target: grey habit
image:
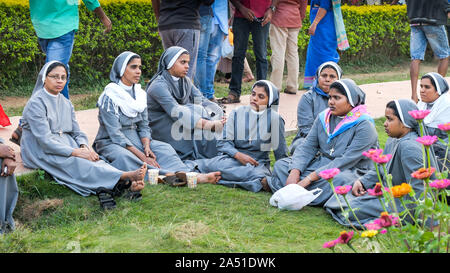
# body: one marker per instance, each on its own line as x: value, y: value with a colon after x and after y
x: 406, y: 158
x: 344, y: 151
x: 175, y: 106
x: 254, y: 134
x: 310, y: 105
x: 9, y: 193
x: 118, y: 130
x: 50, y: 133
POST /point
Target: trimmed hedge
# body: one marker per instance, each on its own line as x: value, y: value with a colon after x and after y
x: 378, y: 32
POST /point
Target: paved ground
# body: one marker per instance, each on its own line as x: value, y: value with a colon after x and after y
x: 377, y: 96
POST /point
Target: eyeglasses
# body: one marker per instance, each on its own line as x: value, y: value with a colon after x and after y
x: 57, y: 77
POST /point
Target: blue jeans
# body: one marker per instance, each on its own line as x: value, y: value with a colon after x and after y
x: 242, y: 29
x: 435, y: 35
x: 209, y: 52
x: 59, y: 49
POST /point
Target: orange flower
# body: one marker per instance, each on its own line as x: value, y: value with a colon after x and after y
x: 401, y: 190
x: 423, y: 173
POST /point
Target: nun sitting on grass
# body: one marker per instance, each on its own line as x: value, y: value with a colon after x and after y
x: 251, y: 132
x: 338, y: 137
x: 177, y: 111
x: 52, y: 141
x: 9, y: 192
x: 124, y: 137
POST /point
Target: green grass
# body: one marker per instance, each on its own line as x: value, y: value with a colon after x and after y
x: 209, y: 218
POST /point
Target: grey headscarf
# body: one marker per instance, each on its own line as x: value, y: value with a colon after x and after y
x: 274, y: 94
x: 180, y: 90
x: 120, y: 64
x: 43, y: 74
x: 439, y: 82
x: 354, y: 94
x: 403, y: 107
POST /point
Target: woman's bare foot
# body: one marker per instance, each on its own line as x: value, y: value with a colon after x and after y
x: 265, y: 185
x: 212, y: 177
x: 137, y: 175
x: 248, y: 78
x: 137, y: 185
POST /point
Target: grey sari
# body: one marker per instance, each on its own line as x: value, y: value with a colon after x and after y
x: 9, y: 193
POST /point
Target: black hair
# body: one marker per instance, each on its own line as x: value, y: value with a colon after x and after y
x: 266, y: 87
x: 135, y: 56
x: 330, y: 66
x: 55, y: 65
x: 393, y: 106
x: 431, y: 80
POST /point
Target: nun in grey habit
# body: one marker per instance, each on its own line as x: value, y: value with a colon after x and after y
x: 9, y: 193
x: 406, y: 158
x: 333, y: 142
x: 253, y: 133
x: 175, y: 107
x: 51, y: 134
x: 440, y: 114
x: 311, y: 104
x: 123, y: 119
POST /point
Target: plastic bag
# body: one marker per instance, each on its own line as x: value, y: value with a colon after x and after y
x: 4, y: 120
x: 227, y: 46
x: 293, y: 197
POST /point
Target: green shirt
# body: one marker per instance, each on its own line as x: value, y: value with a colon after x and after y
x: 54, y: 18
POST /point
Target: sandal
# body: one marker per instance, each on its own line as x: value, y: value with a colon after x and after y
x: 230, y: 99
x: 106, y: 199
x: 18, y: 132
x: 120, y: 187
x: 290, y: 92
x: 175, y: 180
x: 133, y: 195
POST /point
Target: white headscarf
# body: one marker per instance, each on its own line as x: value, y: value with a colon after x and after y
x: 440, y: 110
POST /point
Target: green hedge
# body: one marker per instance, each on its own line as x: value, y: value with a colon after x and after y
x: 373, y: 32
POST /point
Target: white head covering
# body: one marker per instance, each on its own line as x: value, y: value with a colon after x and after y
x: 440, y: 109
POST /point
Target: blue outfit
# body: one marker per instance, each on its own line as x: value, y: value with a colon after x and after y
x: 214, y: 28
x: 9, y: 193
x: 322, y: 46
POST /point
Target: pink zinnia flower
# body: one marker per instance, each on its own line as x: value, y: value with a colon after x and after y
x: 345, y: 237
x: 330, y: 244
x: 444, y: 127
x: 343, y: 189
x: 372, y: 226
x: 423, y: 173
x: 386, y: 220
x: 440, y: 184
x: 427, y: 140
x: 383, y: 231
x: 419, y: 114
x: 329, y: 174
x: 376, y: 191
x: 372, y: 152
x: 382, y: 159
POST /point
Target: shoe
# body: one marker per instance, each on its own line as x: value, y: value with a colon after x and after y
x: 290, y: 92
x: 230, y: 99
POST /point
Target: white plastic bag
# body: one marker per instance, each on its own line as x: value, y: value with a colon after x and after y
x: 227, y: 47
x: 293, y: 197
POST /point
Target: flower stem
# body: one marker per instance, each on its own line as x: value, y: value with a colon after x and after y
x: 340, y: 205
x: 407, y: 210
x: 354, y: 215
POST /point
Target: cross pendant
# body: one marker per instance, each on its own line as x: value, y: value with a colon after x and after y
x: 331, y: 151
x: 60, y: 132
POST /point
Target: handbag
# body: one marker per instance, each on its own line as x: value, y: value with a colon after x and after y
x: 293, y: 197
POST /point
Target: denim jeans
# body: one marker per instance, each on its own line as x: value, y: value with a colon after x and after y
x: 209, y: 52
x: 435, y: 35
x: 59, y: 49
x: 242, y: 29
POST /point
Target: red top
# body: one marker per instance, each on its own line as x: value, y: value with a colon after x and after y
x: 259, y: 7
x: 289, y: 13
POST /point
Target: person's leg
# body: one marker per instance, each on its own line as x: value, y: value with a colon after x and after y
x: 248, y: 74
x: 189, y: 40
x: 278, y: 37
x: 59, y: 49
x: 166, y: 38
x: 292, y: 61
x: 240, y: 41
x: 438, y: 39
x: 259, y: 37
x: 205, y: 36
x: 418, y: 45
x: 214, y: 53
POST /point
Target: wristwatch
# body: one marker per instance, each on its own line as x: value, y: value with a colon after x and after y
x: 273, y: 8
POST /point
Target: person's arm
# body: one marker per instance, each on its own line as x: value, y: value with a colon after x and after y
x: 246, y: 12
x: 320, y: 14
x: 302, y: 8
x: 269, y: 13
x: 394, y: 2
x: 155, y: 6
x: 104, y: 19
x: 305, y: 114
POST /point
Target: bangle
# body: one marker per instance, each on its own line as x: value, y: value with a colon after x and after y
x: 310, y: 181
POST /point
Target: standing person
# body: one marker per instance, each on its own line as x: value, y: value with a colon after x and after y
x: 9, y: 191
x: 214, y: 28
x: 56, y: 22
x: 283, y: 33
x: 323, y: 41
x: 179, y: 25
x: 427, y: 20
x: 251, y: 16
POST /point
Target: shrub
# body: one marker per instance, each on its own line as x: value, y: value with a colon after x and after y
x: 375, y: 33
